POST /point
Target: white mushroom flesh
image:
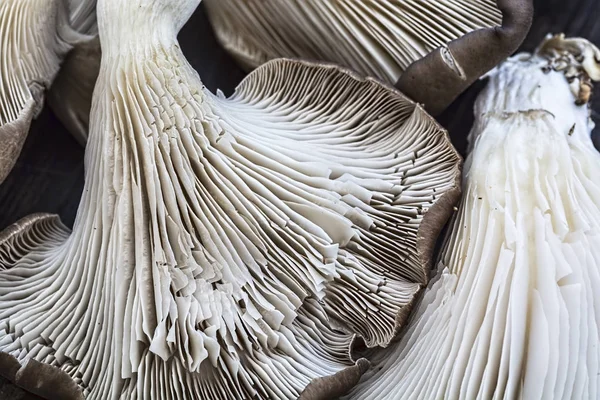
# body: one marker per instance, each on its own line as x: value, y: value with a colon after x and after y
x: 375, y: 38
x: 33, y: 41
x: 515, y: 313
x: 71, y: 94
x: 35, y: 36
x: 229, y: 248
x: 82, y: 16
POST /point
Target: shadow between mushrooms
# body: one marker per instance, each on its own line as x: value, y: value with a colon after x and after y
x: 225, y: 248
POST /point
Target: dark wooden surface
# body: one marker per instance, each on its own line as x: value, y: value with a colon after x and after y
x: 48, y: 176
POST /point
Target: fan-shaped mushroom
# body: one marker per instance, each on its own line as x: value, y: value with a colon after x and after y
x: 380, y: 38
x: 225, y: 248
x: 515, y: 312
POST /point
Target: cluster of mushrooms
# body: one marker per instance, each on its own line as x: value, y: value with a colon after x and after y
x: 280, y: 243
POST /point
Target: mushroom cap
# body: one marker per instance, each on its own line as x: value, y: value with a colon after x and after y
x: 513, y: 310
x: 229, y: 247
x: 375, y: 38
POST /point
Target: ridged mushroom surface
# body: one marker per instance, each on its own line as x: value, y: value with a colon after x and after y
x: 82, y: 16
x: 514, y: 313
x: 71, y: 94
x: 34, y: 37
x: 375, y: 38
x: 226, y: 248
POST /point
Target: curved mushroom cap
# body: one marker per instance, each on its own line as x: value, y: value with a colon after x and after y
x: 229, y: 248
x: 375, y: 38
x: 514, y: 312
x: 34, y: 37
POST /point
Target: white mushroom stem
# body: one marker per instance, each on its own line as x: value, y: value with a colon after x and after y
x: 515, y: 311
x: 229, y: 248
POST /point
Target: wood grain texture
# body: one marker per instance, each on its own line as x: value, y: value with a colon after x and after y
x: 48, y: 177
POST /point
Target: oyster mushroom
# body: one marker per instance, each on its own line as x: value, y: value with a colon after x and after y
x: 225, y: 248
x: 82, y: 16
x: 34, y: 37
x: 514, y: 312
x: 379, y: 39
x: 71, y: 94
x: 455, y: 41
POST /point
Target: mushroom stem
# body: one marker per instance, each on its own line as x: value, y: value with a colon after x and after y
x: 438, y: 79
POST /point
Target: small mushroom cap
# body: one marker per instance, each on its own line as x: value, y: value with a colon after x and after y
x: 571, y: 53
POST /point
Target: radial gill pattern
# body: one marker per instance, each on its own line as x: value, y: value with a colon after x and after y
x: 71, y: 94
x: 376, y: 38
x: 229, y: 248
x: 515, y: 313
x: 34, y: 36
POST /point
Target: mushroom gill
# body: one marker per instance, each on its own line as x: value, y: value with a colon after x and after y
x: 82, y: 16
x: 34, y: 37
x: 225, y: 248
x: 375, y: 38
x: 431, y: 50
x: 514, y: 311
x: 71, y: 94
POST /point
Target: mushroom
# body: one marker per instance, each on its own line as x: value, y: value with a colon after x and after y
x: 443, y: 46
x: 82, y: 16
x: 71, y: 94
x: 379, y: 39
x: 36, y: 35
x: 514, y: 311
x: 225, y: 248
